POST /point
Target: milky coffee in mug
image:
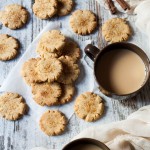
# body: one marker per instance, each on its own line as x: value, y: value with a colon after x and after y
x: 120, y: 69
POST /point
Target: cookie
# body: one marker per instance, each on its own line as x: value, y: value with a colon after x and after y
x: 14, y: 16
x: 53, y: 122
x: 46, y: 93
x: 83, y: 22
x: 89, y: 106
x: 116, y: 30
x: 64, y: 7
x: 70, y: 70
x: 49, y: 69
x: 51, y: 41
x: 71, y: 49
x: 29, y: 72
x: 67, y: 93
x: 45, y: 54
x: 45, y: 9
x: 12, y: 106
x: 8, y: 47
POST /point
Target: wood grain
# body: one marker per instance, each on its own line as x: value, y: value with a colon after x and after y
x: 25, y: 134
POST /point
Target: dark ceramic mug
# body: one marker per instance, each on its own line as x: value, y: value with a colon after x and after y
x: 94, y: 53
x: 81, y: 141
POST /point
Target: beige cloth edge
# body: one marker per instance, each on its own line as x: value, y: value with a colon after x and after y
x: 132, y: 133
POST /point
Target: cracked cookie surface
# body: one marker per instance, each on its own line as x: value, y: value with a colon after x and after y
x: 8, y: 47
x: 64, y: 7
x: 83, y: 22
x: 14, y: 16
x: 46, y: 93
x: 89, y: 106
x: 12, y: 106
x: 70, y: 70
x: 45, y: 9
x: 53, y: 122
x: 116, y: 30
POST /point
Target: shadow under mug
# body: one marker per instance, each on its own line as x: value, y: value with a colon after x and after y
x: 94, y: 53
x: 81, y: 141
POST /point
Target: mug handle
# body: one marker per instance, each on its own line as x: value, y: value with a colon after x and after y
x: 91, y: 51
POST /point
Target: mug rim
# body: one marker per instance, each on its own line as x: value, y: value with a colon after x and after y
x: 123, y: 43
x: 90, y: 140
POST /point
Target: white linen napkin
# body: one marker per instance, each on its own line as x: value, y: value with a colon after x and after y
x: 15, y: 83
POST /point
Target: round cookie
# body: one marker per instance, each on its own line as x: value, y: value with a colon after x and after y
x: 64, y: 7
x: 70, y: 70
x: 14, y: 16
x: 71, y: 49
x: 83, y: 22
x: 8, y: 47
x: 53, y: 122
x: 46, y: 93
x: 67, y: 93
x: 29, y: 72
x: 49, y: 69
x: 45, y: 9
x: 89, y: 106
x: 51, y: 41
x: 116, y: 30
x: 12, y: 106
x: 45, y: 54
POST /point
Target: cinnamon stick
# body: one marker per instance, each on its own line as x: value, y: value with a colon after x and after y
x: 111, y: 6
x: 123, y: 4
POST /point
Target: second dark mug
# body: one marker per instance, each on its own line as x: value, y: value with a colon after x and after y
x: 95, y: 54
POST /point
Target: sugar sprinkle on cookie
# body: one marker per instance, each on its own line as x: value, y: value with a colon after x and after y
x: 49, y: 69
x: 46, y: 93
x: 8, y: 47
x: 83, y: 22
x: 14, y: 16
x: 71, y: 49
x: 67, y: 93
x: 29, y: 73
x: 116, y: 30
x: 64, y: 7
x: 70, y: 70
x: 52, y: 41
x: 45, y: 9
x: 53, y: 122
x: 12, y: 106
x: 89, y: 106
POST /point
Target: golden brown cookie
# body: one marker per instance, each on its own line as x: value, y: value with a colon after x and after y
x: 29, y: 72
x: 45, y: 54
x: 116, y: 30
x: 45, y: 9
x: 8, y: 47
x: 46, y: 93
x: 70, y: 70
x: 83, y: 22
x: 51, y: 41
x: 67, y: 93
x: 14, y: 16
x: 53, y: 122
x: 49, y: 69
x: 89, y: 106
x: 64, y: 7
x: 71, y: 49
x: 12, y: 106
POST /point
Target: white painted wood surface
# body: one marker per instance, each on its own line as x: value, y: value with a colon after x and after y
x: 25, y: 134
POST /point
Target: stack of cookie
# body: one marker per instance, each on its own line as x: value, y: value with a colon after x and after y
x: 48, y: 8
x: 51, y: 76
